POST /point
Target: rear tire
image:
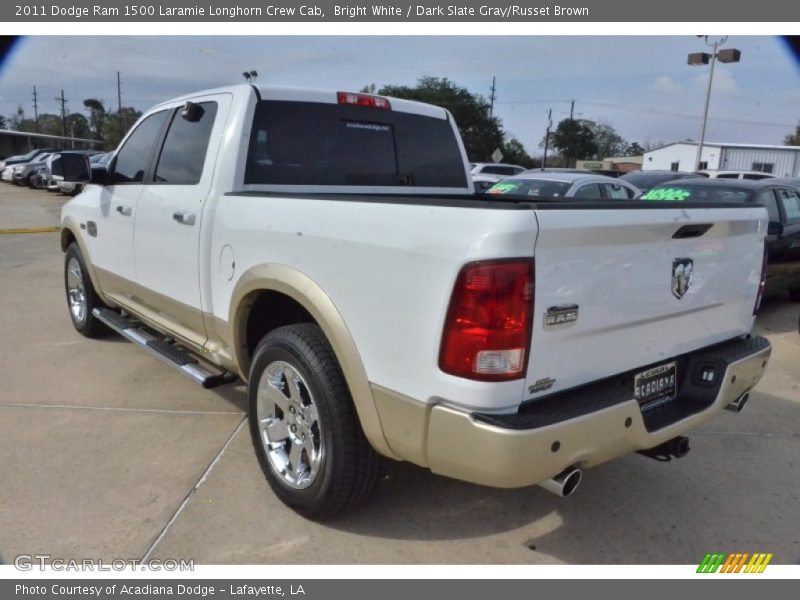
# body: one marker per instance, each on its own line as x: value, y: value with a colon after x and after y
x: 304, y: 427
x: 82, y: 298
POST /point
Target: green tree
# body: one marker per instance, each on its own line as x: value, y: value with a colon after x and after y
x: 514, y: 152
x: 481, y: 133
x: 793, y: 139
x: 115, y: 127
x: 609, y: 142
x: 573, y: 139
x: 634, y: 149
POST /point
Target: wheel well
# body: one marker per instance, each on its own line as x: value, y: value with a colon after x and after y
x: 270, y: 310
x: 67, y: 237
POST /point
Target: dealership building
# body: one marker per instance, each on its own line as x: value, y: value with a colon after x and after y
x: 783, y: 161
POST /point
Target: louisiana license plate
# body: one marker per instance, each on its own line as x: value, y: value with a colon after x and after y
x: 655, y: 386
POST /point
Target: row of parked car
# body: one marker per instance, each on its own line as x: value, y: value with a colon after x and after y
x: 780, y: 196
x: 34, y: 169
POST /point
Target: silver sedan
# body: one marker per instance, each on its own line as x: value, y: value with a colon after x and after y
x: 565, y: 184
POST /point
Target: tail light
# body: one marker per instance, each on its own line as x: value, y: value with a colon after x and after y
x: 363, y: 100
x: 762, y: 284
x: 487, y: 332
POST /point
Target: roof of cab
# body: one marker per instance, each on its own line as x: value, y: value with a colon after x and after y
x: 297, y: 94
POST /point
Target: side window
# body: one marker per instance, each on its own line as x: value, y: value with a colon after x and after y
x: 184, y: 151
x: 791, y: 205
x: 616, y: 191
x: 135, y: 157
x: 767, y: 198
x: 728, y: 176
x: 591, y: 191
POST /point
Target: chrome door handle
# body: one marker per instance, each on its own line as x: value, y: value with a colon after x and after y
x: 125, y: 211
x: 186, y: 218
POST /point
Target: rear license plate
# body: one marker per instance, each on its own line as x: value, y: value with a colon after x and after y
x: 655, y: 386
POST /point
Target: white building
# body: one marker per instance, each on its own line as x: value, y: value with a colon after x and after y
x: 783, y: 161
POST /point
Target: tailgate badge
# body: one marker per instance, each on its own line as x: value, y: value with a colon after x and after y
x: 682, y: 275
x: 563, y: 315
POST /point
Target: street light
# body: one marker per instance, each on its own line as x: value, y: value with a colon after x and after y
x: 730, y: 55
x: 250, y: 76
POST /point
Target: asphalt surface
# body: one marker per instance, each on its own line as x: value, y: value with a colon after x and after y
x: 108, y: 453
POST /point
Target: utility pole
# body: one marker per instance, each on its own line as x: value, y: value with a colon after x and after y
x: 63, y: 101
x: 119, y: 107
x: 492, y: 97
x: 571, y: 130
x: 36, y: 109
x: 547, y: 137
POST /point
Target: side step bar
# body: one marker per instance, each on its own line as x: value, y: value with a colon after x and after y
x: 162, y: 349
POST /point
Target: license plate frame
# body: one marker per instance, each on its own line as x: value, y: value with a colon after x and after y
x: 656, y: 386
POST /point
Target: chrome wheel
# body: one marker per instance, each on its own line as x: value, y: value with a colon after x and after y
x: 289, y: 425
x: 76, y: 293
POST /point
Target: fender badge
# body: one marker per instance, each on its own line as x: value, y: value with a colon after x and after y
x: 541, y: 385
x: 563, y: 315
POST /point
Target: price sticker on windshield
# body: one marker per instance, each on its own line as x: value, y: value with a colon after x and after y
x: 673, y: 194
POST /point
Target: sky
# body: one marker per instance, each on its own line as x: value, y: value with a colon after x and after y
x: 642, y: 86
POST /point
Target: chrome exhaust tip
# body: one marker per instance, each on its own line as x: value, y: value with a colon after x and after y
x: 738, y: 405
x: 565, y: 483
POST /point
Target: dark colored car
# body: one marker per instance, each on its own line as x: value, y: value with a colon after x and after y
x: 782, y: 201
x: 647, y: 180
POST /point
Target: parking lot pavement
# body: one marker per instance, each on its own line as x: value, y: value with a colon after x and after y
x: 109, y: 453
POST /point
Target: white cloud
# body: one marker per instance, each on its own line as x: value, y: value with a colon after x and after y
x: 665, y: 85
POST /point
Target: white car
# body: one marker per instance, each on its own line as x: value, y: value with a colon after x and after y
x: 717, y: 174
x: 565, y: 184
x: 497, y: 169
x: 328, y: 249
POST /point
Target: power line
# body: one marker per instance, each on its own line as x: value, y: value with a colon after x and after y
x: 36, y: 109
x: 492, y: 97
x: 655, y: 111
x: 63, y: 101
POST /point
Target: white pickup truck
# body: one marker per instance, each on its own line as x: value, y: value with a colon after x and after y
x: 326, y: 248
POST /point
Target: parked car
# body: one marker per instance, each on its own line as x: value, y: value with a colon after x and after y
x: 716, y: 174
x: 500, y: 169
x: 782, y: 201
x: 327, y: 248
x: 565, y: 184
x: 23, y: 158
x: 95, y: 159
x: 646, y: 180
x: 24, y: 173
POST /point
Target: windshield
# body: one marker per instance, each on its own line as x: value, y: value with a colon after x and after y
x: 543, y: 188
x: 679, y: 192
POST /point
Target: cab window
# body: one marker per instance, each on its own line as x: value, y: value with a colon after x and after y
x: 617, y: 192
x: 184, y: 151
x: 136, y: 155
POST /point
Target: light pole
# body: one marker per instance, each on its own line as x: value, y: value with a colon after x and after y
x: 731, y: 55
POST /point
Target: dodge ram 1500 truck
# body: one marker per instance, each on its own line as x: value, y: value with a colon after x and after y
x: 326, y: 248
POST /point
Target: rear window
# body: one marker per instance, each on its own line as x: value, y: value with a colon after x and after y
x: 705, y: 193
x: 495, y: 170
x: 310, y: 143
x: 529, y: 187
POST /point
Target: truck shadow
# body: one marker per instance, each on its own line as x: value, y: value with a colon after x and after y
x: 629, y: 511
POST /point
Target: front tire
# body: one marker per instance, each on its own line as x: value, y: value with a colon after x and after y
x: 304, y: 427
x: 82, y: 298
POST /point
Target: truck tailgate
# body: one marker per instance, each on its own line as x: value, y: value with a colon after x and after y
x: 648, y: 284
